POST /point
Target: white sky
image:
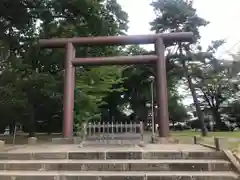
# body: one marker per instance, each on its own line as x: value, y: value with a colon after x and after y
x: 223, y: 16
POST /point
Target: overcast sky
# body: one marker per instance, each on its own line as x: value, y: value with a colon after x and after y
x: 222, y: 14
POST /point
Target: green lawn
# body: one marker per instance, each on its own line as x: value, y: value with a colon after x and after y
x: 235, y: 134
x: 228, y: 140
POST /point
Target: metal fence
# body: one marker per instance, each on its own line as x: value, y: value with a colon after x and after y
x: 113, y: 133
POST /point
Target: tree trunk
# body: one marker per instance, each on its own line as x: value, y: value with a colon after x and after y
x: 217, y: 119
x: 32, y: 123
x: 50, y: 126
x: 12, y: 127
x: 110, y: 115
x: 173, y: 124
x: 195, y: 100
x: 143, y: 113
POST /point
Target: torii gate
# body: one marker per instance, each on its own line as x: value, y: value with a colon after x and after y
x: 160, y: 40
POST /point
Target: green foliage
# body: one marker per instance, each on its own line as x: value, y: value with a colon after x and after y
x: 233, y: 111
x: 176, y: 16
x: 92, y: 87
x: 31, y: 80
x: 213, y: 80
x: 177, y: 111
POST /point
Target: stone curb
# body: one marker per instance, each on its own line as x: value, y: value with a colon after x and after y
x: 102, y: 155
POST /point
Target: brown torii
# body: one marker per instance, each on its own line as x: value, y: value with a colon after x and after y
x: 160, y: 40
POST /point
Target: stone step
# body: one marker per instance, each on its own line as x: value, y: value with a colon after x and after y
x: 114, y: 155
x: 112, y: 142
x: 116, y: 165
x: 96, y: 175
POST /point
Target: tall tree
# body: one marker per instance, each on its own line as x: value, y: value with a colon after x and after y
x: 213, y: 78
x: 179, y: 16
x: 42, y: 71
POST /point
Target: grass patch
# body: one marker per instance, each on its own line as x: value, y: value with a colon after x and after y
x: 228, y: 140
x: 235, y: 134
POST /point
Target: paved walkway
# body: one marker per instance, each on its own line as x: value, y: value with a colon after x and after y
x: 72, y: 148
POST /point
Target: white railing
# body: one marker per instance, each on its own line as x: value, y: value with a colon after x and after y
x: 112, y: 132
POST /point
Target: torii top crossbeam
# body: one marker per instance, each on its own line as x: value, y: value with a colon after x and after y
x: 118, y: 40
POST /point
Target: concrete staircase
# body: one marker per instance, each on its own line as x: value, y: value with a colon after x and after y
x: 116, y: 165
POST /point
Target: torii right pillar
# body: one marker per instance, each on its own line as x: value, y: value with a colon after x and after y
x: 161, y: 90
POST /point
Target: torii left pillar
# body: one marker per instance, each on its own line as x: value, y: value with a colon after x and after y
x: 69, y: 85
